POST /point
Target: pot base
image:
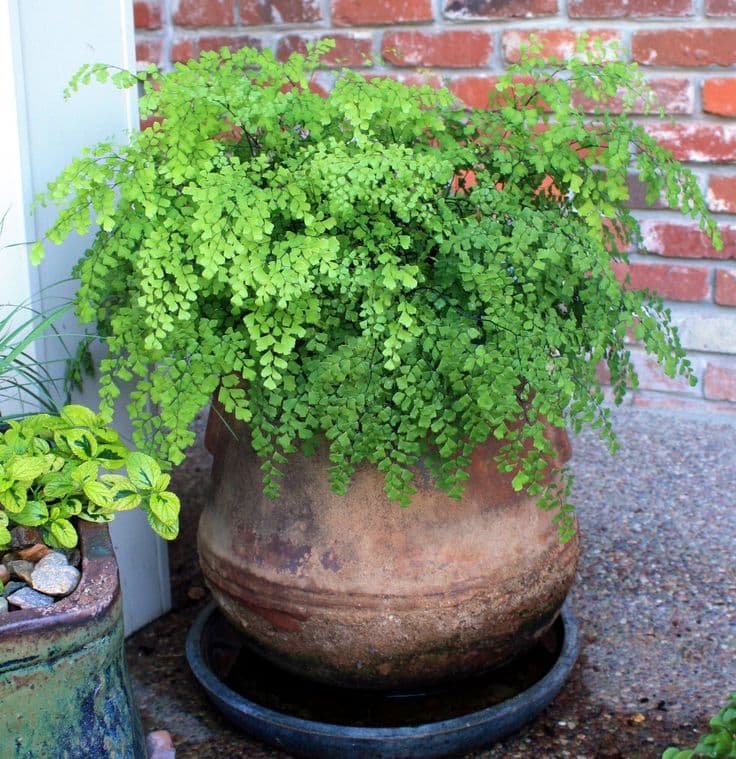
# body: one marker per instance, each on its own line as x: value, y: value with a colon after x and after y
x: 312, y: 720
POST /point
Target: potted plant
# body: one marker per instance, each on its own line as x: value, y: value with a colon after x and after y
x: 63, y: 680
x: 392, y: 299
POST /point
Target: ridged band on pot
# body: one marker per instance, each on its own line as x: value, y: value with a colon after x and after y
x: 64, y: 685
x: 356, y: 590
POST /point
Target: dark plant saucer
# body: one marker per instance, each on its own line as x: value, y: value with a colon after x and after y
x: 312, y: 720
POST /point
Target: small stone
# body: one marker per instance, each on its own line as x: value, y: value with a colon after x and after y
x: 55, y: 579
x: 21, y: 569
x: 10, y: 556
x: 11, y: 587
x: 3, y: 605
x: 53, y: 559
x: 20, y: 536
x: 159, y: 745
x: 196, y: 593
x: 34, y: 553
x: 27, y: 598
x: 4, y: 574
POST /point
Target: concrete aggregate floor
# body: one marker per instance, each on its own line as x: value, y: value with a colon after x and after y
x: 655, y: 598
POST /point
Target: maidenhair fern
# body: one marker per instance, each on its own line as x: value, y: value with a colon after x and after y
x: 378, y: 266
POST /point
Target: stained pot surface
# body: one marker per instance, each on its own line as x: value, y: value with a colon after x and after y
x: 64, y: 686
x: 360, y: 590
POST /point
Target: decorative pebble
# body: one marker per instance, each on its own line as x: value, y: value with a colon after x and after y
x: 55, y: 579
x: 4, y: 574
x: 53, y: 559
x: 196, y: 593
x: 159, y: 745
x: 3, y: 605
x: 34, y: 553
x: 20, y: 536
x: 27, y: 598
x: 11, y: 587
x: 21, y: 569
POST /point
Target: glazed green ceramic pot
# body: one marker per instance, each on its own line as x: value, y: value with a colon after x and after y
x: 64, y: 687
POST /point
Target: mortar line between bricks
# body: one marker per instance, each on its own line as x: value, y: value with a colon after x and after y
x: 657, y: 258
x: 542, y: 25
x: 167, y: 21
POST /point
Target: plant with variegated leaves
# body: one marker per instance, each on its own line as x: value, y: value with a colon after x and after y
x: 57, y: 468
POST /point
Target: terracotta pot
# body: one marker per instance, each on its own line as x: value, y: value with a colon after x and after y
x: 64, y: 685
x: 355, y: 590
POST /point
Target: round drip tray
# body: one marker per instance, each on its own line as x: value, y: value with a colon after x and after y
x: 309, y: 719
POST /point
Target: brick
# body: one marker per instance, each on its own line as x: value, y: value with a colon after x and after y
x: 253, y: 12
x: 348, y: 50
x: 685, y: 47
x: 148, y: 51
x: 366, y: 12
x: 652, y: 376
x: 720, y: 7
x: 719, y: 383
x: 473, y: 90
x: 672, y: 282
x: 182, y: 49
x: 450, y: 49
x: 189, y: 46
x: 233, y: 41
x: 204, y: 12
x: 710, y: 328
x: 554, y: 43
x: 628, y: 8
x: 674, y: 95
x: 725, y: 287
x: 603, y: 373
x: 666, y: 401
x: 147, y: 14
x: 721, y: 194
x: 462, y: 10
x: 719, y: 96
x: 638, y: 195
x: 686, y: 241
x: 697, y: 142
x: 435, y: 81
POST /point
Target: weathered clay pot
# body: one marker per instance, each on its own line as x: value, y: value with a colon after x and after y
x: 355, y: 590
x: 64, y: 686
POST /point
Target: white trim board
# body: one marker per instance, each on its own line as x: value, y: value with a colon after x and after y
x: 42, y: 43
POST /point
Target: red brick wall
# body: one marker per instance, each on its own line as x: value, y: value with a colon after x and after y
x: 686, y: 47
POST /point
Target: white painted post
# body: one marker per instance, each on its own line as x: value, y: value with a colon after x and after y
x: 42, y: 43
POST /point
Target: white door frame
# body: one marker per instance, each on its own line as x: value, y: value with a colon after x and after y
x: 42, y: 43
